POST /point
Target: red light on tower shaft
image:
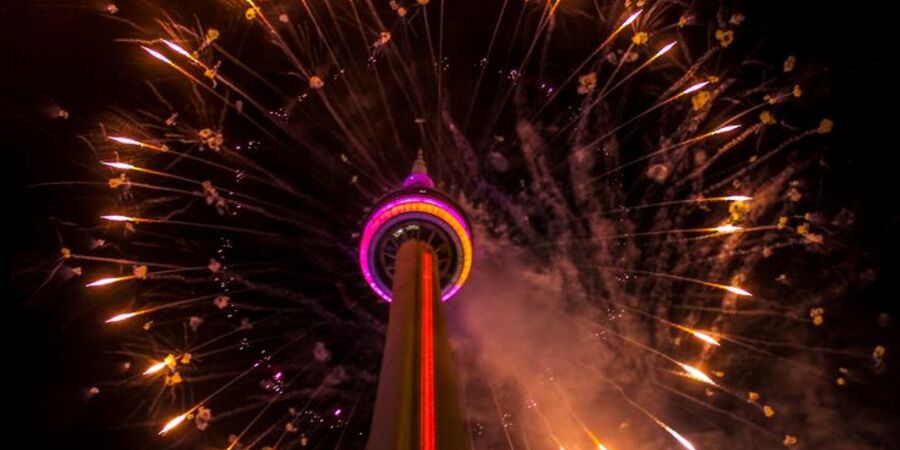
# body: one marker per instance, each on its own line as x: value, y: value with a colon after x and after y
x: 427, y: 399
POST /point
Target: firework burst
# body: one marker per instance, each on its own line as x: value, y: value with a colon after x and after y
x: 632, y: 171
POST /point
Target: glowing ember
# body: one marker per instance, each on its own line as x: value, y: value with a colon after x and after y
x: 126, y: 141
x: 665, y: 49
x: 118, y: 218
x: 705, y: 337
x: 177, y: 48
x: 681, y: 439
x: 121, y: 317
x: 738, y: 291
x: 157, y: 55
x: 631, y: 19
x: 117, y: 165
x: 155, y: 368
x: 726, y: 129
x: 173, y: 423
x: 728, y: 228
x: 695, y: 87
x: 697, y: 374
x: 111, y: 280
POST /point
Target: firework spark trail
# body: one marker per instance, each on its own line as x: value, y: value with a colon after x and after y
x: 543, y: 21
x: 603, y: 45
x: 635, y: 118
x: 587, y: 431
x: 720, y: 130
x: 180, y: 418
x: 585, y: 110
x: 684, y: 442
x: 164, y: 149
x: 129, y: 219
x: 483, y: 63
x: 260, y: 414
x: 259, y: 106
x: 371, y: 92
x: 500, y: 415
x: 707, y: 232
x: 711, y: 407
x: 124, y: 316
x: 206, y: 186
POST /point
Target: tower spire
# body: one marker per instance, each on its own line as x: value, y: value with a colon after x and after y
x: 419, y: 167
x: 418, y: 176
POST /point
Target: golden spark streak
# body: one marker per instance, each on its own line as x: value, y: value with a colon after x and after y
x: 664, y: 50
x: 738, y: 198
x: 155, y: 368
x: 158, y: 55
x: 123, y: 316
x: 173, y: 423
x: 725, y: 129
x: 119, y: 218
x: 111, y: 280
x: 177, y: 48
x: 728, y: 229
x: 737, y: 290
x: 681, y: 439
x: 117, y: 165
x: 629, y: 20
x: 694, y: 88
x: 732, y: 289
x: 704, y: 337
x: 130, y: 141
x: 125, y: 140
x: 697, y: 374
x: 126, y: 166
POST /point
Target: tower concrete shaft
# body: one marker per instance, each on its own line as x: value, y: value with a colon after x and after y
x: 417, y: 404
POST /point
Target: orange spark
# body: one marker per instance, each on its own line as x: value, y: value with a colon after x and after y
x: 725, y: 129
x: 629, y: 20
x: 117, y: 165
x: 664, y: 50
x: 738, y: 198
x: 177, y: 48
x: 730, y: 228
x: 695, y: 87
x: 130, y: 141
x: 697, y: 374
x: 737, y: 290
x: 121, y: 317
x: 155, y: 368
x: 173, y: 423
x: 120, y: 218
x: 681, y: 439
x: 157, y: 55
x: 111, y: 280
x: 704, y: 337
x: 125, y: 140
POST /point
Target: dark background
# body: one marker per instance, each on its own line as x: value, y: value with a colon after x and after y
x: 62, y: 54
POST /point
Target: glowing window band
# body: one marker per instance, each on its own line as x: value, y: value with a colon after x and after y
x: 411, y: 204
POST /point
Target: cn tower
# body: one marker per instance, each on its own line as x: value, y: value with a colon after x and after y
x: 416, y: 253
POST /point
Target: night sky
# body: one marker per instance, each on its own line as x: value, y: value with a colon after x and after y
x: 62, y: 54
